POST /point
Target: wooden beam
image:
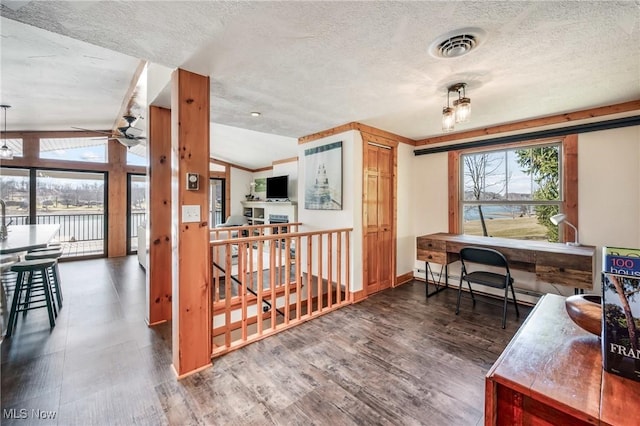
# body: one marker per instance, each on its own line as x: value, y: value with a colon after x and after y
x: 159, y: 265
x: 125, y: 107
x: 191, y: 319
x: 535, y: 122
x: 117, y: 214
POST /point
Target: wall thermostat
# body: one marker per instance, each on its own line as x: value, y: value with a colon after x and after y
x: 193, y: 181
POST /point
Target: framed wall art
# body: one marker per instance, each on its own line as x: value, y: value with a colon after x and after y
x: 323, y: 177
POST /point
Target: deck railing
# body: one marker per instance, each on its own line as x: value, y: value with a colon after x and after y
x: 266, y: 283
x: 77, y: 227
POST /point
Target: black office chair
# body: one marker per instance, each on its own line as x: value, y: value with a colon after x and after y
x: 486, y: 256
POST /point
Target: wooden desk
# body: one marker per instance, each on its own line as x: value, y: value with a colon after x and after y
x: 27, y: 237
x: 551, y: 373
x: 555, y: 263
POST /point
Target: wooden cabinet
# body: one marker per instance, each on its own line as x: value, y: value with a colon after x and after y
x: 551, y: 374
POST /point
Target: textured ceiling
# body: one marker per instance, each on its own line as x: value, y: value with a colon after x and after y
x: 309, y: 66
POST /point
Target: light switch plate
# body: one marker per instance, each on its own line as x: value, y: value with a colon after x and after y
x: 190, y: 213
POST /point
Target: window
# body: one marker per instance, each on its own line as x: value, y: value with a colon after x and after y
x: 92, y: 149
x: 15, y: 145
x: 512, y: 192
x: 137, y: 155
x: 14, y: 190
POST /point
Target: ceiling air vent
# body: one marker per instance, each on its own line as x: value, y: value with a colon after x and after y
x: 456, y: 46
x: 456, y: 43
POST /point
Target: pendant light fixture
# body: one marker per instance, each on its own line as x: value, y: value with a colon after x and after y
x: 461, y: 110
x: 5, y: 152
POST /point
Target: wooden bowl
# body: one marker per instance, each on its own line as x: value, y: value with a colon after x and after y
x: 586, y: 311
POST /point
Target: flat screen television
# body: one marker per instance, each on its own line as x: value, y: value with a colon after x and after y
x: 278, y: 188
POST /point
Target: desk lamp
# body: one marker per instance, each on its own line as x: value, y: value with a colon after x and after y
x: 561, y: 217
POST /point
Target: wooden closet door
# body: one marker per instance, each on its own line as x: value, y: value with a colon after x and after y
x: 378, y: 218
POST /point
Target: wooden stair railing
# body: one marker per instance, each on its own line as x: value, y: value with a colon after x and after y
x: 299, y: 275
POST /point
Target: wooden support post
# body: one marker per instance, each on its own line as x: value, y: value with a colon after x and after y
x: 192, y: 321
x: 159, y: 264
x: 117, y: 217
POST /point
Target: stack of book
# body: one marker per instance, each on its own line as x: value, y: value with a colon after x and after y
x: 621, y: 311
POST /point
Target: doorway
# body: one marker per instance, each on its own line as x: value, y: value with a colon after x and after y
x: 217, y: 201
x: 379, y: 216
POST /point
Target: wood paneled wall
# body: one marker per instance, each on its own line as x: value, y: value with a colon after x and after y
x: 159, y: 266
x: 191, y: 327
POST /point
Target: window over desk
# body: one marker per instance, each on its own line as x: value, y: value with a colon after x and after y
x: 511, y: 192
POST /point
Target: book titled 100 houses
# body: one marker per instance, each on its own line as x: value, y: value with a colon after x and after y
x: 621, y: 311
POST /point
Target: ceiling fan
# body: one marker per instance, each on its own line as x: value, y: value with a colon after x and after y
x: 128, y: 135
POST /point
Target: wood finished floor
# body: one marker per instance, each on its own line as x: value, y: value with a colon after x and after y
x: 396, y: 358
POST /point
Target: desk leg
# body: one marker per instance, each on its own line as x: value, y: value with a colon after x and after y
x: 439, y: 284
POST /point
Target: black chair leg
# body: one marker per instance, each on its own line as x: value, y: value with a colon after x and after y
x: 504, y: 308
x: 473, y: 297
x: 459, y: 293
x: 513, y: 293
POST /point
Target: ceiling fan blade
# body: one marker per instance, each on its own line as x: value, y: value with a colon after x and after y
x: 93, y: 131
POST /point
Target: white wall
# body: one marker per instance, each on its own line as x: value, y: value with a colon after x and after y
x: 240, y: 185
x: 351, y: 214
x: 609, y: 197
x: 406, y: 200
x: 609, y: 189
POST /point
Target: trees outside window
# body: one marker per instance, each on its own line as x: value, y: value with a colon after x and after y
x: 511, y: 192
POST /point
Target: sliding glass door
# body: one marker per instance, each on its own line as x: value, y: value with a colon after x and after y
x: 76, y: 201
x: 136, y: 209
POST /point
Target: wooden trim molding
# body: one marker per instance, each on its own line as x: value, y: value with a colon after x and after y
x: 325, y: 133
x: 246, y: 169
x: 359, y: 127
x: 263, y: 169
x: 570, y: 182
x: 534, y: 122
x: 383, y: 134
x: 359, y: 296
x: 404, y: 278
x: 286, y: 160
x: 453, y: 171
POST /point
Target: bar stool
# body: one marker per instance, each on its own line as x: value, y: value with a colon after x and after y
x: 27, y: 291
x: 54, y: 271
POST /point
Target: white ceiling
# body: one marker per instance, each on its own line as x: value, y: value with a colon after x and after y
x: 310, y: 66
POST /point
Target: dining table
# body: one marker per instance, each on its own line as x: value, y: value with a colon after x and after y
x: 27, y: 237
